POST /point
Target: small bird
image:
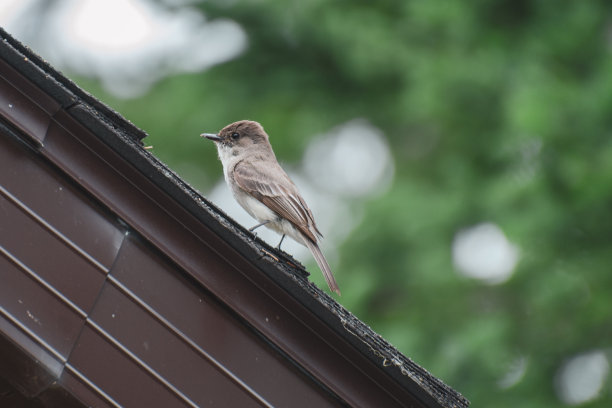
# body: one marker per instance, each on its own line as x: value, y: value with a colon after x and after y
x: 264, y: 190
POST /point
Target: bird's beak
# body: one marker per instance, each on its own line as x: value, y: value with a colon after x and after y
x: 211, y: 136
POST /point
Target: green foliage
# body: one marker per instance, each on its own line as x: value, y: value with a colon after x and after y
x: 495, y: 111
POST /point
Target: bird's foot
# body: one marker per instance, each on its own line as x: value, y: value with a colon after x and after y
x: 278, y: 247
x: 258, y: 225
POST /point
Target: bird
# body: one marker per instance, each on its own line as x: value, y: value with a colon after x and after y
x: 261, y: 186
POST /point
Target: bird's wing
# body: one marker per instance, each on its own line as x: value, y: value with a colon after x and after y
x: 269, y: 183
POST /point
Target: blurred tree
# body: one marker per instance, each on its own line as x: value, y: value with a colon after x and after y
x: 496, y: 111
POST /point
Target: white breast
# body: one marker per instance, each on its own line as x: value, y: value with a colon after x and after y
x: 253, y: 206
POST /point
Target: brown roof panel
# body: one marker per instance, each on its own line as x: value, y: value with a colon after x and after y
x: 212, y: 334
x: 89, y: 230
x: 34, y: 308
x: 29, y: 108
x: 166, y: 354
x: 23, y: 239
x: 31, y: 385
x: 96, y: 356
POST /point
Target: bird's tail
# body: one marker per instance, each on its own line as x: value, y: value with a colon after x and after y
x: 323, y: 265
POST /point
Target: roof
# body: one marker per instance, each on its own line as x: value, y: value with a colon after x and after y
x: 156, y: 250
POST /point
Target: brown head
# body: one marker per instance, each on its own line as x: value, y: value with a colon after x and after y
x: 240, y: 136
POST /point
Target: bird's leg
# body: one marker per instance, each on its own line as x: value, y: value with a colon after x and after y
x: 281, y: 241
x: 259, y: 225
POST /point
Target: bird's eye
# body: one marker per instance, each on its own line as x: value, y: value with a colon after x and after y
x: 235, y: 135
